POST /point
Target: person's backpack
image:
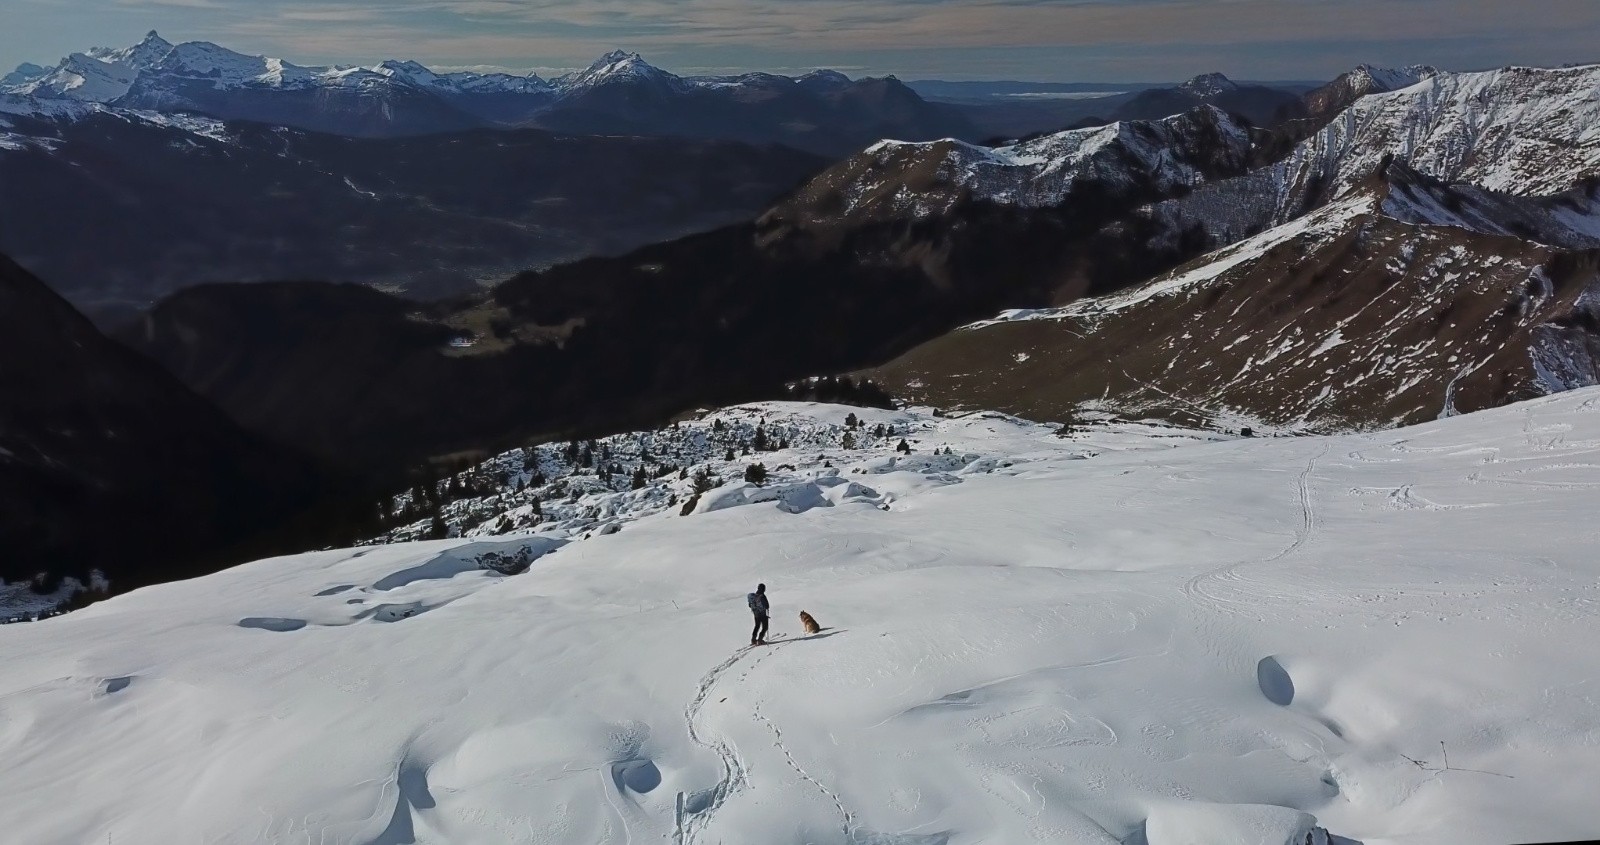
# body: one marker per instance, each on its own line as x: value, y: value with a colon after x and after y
x: 757, y: 603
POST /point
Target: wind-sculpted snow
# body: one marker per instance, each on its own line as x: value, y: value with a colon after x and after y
x: 1131, y: 634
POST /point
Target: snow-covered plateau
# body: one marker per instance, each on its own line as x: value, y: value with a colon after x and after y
x: 1129, y: 634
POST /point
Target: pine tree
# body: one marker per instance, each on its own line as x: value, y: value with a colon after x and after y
x: 850, y: 421
x: 755, y: 474
x: 533, y: 505
x: 703, y: 482
x: 437, y: 529
x: 639, y: 478
x: 903, y: 447
x: 760, y: 443
x: 683, y: 474
x: 730, y: 456
x: 849, y: 440
x: 879, y: 432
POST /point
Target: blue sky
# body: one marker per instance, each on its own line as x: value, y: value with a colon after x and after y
x: 1040, y: 40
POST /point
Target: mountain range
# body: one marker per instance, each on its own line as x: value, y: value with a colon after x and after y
x: 823, y: 112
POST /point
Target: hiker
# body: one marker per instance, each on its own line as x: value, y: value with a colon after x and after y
x: 759, y: 606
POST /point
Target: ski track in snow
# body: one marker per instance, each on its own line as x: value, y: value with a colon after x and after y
x: 1226, y: 589
x: 690, y: 820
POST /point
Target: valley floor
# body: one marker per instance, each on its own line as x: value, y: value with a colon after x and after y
x: 1133, y: 635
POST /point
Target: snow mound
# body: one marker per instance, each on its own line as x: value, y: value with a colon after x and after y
x: 797, y: 497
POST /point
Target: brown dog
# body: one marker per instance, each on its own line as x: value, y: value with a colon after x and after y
x: 809, y: 623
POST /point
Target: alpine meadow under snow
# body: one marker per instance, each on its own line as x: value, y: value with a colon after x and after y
x: 1128, y: 634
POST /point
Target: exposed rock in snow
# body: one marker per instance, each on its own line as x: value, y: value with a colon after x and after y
x: 897, y: 180
x: 1208, y: 85
x: 1438, y: 297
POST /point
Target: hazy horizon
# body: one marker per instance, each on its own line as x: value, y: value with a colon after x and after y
x: 1092, y: 41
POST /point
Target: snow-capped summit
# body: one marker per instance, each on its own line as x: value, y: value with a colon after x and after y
x: 825, y: 76
x: 1208, y: 85
x: 412, y: 72
x: 1338, y: 95
x: 150, y: 50
x: 1372, y: 79
x: 100, y: 75
x: 81, y: 77
x: 616, y: 66
x: 225, y: 68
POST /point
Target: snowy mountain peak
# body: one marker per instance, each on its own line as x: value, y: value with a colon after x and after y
x: 150, y: 50
x: 824, y: 76
x: 412, y: 72
x: 617, y: 65
x: 1372, y: 79
x: 1208, y: 85
x: 203, y: 58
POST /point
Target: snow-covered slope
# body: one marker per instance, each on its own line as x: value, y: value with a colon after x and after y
x: 98, y: 76
x: 1342, y: 92
x: 1518, y: 130
x: 1165, y: 642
